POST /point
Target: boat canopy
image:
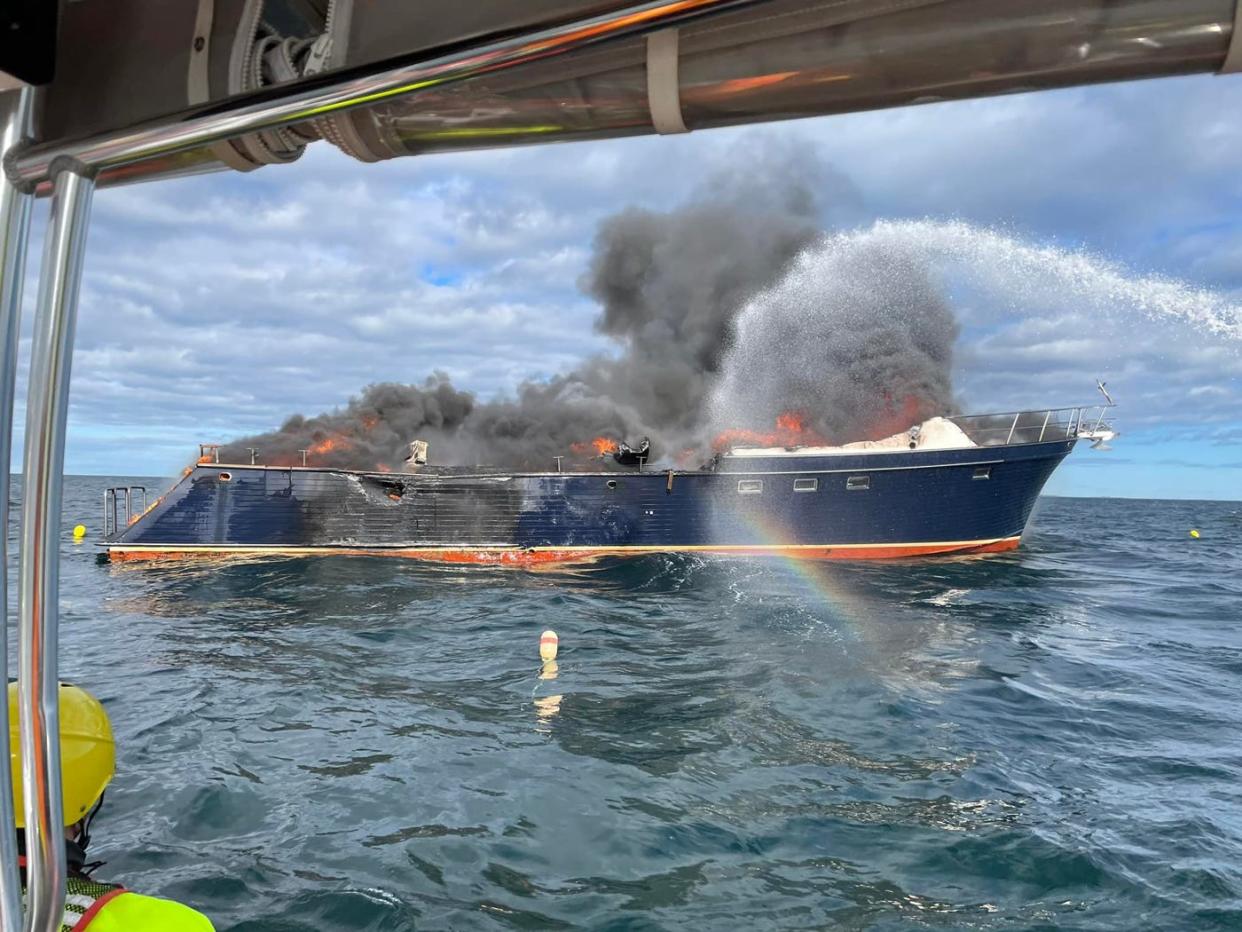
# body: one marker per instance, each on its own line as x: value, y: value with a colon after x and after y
x: 584, y: 69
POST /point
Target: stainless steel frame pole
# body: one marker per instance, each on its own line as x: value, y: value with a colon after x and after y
x: 16, y: 108
x: 47, y: 408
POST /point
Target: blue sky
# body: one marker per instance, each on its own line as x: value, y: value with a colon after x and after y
x: 215, y: 306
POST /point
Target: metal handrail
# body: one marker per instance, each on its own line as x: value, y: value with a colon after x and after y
x: 1011, y: 411
x: 47, y: 407
x: 1032, y: 425
x: 347, y: 89
x: 1013, y: 427
x: 15, y: 124
x: 111, y: 520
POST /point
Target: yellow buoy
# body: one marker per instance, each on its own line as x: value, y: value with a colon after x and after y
x: 79, y: 532
x: 548, y: 644
x: 1194, y: 534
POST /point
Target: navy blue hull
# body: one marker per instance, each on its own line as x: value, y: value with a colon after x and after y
x: 877, y: 504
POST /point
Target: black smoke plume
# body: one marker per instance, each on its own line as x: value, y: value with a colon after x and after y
x: 373, y: 431
x: 704, y: 316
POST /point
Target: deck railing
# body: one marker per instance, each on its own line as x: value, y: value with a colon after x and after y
x: 113, y: 523
x: 1035, y: 426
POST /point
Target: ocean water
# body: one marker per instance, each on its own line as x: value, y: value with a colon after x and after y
x: 1047, y: 739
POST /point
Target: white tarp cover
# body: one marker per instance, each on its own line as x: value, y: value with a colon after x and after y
x: 938, y: 433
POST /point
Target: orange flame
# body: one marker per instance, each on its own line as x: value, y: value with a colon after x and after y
x: 328, y: 444
x: 601, y: 445
x: 897, y: 417
x: 791, y: 431
x: 790, y: 422
x: 205, y: 458
x: 383, y: 467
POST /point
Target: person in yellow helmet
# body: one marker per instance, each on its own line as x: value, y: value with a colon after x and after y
x: 87, y: 764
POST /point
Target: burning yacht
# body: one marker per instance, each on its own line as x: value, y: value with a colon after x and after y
x: 949, y: 485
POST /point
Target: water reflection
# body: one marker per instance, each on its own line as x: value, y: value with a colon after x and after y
x: 547, y: 706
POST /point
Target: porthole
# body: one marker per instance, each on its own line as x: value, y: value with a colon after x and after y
x: 806, y: 485
x: 750, y: 486
x: 982, y: 472
x: 858, y: 483
x: 611, y: 483
x: 225, y: 476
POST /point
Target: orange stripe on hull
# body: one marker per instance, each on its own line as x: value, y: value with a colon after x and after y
x: 500, y: 556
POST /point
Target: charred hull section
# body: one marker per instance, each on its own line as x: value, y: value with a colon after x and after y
x: 869, y: 505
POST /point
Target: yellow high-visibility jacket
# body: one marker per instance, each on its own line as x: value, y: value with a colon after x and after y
x: 98, y: 907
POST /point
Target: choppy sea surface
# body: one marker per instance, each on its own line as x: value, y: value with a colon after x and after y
x: 1049, y: 739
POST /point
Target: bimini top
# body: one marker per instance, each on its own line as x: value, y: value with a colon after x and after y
x: 157, y: 89
x: 938, y: 433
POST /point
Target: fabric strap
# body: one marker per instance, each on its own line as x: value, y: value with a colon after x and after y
x: 663, y: 83
x: 89, y: 916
